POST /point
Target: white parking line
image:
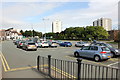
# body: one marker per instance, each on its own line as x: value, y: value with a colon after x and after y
x: 113, y: 63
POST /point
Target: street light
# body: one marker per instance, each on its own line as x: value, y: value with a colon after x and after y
x: 32, y: 30
x: 45, y: 27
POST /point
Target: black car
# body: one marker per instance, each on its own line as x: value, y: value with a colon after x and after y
x: 115, y: 52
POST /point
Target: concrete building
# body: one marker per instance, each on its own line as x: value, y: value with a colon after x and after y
x: 56, y: 26
x: 106, y: 23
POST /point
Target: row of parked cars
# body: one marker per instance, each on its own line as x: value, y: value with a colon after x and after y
x: 31, y: 45
x: 97, y: 51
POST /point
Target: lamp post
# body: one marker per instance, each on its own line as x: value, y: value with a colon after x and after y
x: 45, y: 27
x: 32, y: 30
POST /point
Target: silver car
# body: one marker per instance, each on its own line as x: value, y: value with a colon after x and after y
x: 29, y: 46
x: 97, y: 53
x: 80, y: 44
x: 115, y: 52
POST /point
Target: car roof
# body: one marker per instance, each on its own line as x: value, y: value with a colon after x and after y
x: 94, y: 45
x: 30, y: 42
x: 67, y: 42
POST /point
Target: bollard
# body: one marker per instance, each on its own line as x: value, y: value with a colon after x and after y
x: 79, y: 67
x: 38, y: 62
x: 49, y: 65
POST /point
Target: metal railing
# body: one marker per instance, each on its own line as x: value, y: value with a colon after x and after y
x: 64, y: 70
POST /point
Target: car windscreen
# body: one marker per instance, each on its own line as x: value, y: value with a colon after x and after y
x: 31, y: 43
x: 109, y: 45
x: 66, y: 42
x: 85, y: 48
x: 105, y: 49
x: 81, y: 42
x: 45, y: 42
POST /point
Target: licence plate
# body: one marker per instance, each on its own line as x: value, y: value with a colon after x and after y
x: 33, y: 46
x: 109, y: 56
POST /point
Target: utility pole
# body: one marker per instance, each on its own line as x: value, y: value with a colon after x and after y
x: 119, y: 25
x: 32, y: 30
x: 45, y: 26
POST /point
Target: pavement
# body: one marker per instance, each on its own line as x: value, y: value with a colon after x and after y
x: 18, y: 63
x: 0, y: 62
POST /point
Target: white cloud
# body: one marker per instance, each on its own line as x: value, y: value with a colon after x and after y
x: 45, y: 0
x: 15, y: 14
x: 85, y: 17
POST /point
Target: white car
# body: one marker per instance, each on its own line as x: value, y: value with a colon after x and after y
x: 80, y: 44
x: 42, y: 44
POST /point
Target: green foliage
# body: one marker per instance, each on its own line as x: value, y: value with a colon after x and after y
x: 76, y: 33
x: 93, y: 32
x: 31, y: 33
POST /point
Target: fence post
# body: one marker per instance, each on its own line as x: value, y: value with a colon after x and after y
x: 79, y: 67
x: 49, y: 65
x: 38, y: 62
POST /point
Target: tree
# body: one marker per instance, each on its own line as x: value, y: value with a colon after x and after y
x: 21, y: 31
x: 96, y: 32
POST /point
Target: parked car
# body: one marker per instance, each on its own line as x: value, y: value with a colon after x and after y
x: 66, y: 44
x: 29, y: 46
x: 115, y: 52
x: 20, y: 44
x: 16, y: 41
x: 97, y: 53
x: 42, y: 44
x: 52, y: 44
x: 80, y: 44
x: 58, y: 42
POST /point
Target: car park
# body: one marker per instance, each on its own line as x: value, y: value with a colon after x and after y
x: 80, y: 44
x: 66, y: 44
x: 97, y: 53
x: 115, y: 52
x: 42, y: 44
x: 29, y: 46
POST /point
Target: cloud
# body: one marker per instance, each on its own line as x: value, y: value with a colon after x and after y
x: 45, y: 0
x: 17, y: 13
x: 85, y: 17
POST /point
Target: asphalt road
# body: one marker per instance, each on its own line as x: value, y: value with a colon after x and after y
x: 20, y: 63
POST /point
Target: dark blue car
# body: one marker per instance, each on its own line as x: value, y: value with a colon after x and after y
x: 66, y: 44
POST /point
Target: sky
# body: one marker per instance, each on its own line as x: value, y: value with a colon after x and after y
x: 39, y: 14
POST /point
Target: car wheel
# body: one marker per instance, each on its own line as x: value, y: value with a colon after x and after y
x: 97, y: 58
x: 76, y: 54
x: 26, y: 49
x: 113, y: 54
x: 75, y: 45
x: 35, y: 50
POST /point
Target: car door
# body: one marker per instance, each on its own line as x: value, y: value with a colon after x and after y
x: 84, y: 51
x: 92, y: 51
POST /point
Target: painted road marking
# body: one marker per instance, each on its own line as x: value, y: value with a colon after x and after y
x: 52, y: 67
x: 113, y: 59
x: 62, y: 72
x: 113, y: 64
x: 24, y: 68
x: 5, y: 61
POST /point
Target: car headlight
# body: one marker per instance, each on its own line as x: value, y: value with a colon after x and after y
x: 116, y: 50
